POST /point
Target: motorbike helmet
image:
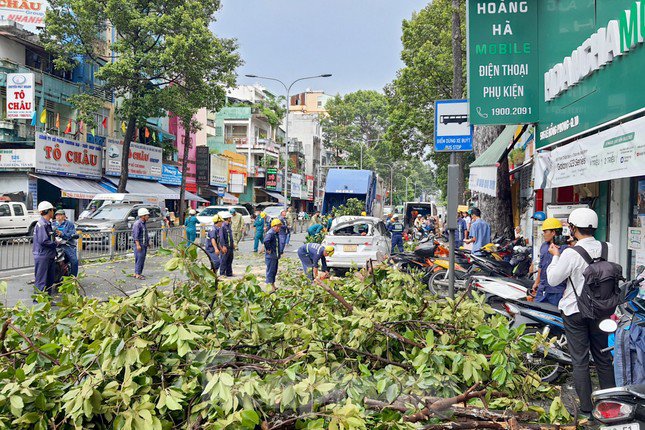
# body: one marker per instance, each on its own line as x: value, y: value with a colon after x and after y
x: 551, y: 224
x: 45, y: 206
x: 539, y: 216
x: 232, y: 211
x: 583, y: 218
x: 142, y: 211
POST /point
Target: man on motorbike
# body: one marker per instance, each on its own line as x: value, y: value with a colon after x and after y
x: 65, y: 229
x: 551, y: 227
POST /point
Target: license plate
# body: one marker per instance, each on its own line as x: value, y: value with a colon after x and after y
x: 631, y: 426
x: 350, y: 248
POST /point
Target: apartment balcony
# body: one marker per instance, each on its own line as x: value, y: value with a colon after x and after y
x: 56, y: 90
x: 257, y: 146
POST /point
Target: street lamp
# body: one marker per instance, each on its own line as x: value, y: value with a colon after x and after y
x: 286, y: 131
x: 364, y: 143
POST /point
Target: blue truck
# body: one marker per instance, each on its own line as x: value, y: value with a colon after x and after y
x: 345, y: 184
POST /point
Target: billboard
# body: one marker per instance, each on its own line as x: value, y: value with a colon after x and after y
x: 296, y: 186
x: 20, y: 95
x: 30, y: 14
x: 65, y: 157
x: 271, y: 182
x: 202, y: 165
x: 144, y: 162
x: 17, y: 158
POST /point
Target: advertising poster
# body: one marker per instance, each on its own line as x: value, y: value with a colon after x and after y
x: 144, y: 162
x: 65, y: 157
x: 271, y: 182
x: 218, y: 171
x: 20, y: 95
x: 17, y: 158
x: 30, y: 14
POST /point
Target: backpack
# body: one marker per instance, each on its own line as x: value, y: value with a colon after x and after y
x: 600, y: 293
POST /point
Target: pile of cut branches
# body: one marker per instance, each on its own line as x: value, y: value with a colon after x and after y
x: 371, y: 352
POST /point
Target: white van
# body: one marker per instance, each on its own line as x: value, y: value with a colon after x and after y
x: 101, y: 200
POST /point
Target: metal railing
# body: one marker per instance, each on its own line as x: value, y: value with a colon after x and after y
x: 16, y: 253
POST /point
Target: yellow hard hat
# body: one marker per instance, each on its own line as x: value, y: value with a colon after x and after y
x: 462, y: 208
x: 263, y: 214
x: 217, y: 219
x: 330, y: 250
x: 363, y: 213
x: 276, y: 222
x: 551, y: 224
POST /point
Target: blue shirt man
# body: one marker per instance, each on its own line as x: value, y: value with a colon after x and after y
x: 66, y: 230
x: 396, y: 228
x: 44, y: 249
x: 310, y: 255
x: 272, y: 251
x: 315, y: 229
x: 227, y: 245
x: 212, y: 246
x: 141, y: 240
x: 479, y: 232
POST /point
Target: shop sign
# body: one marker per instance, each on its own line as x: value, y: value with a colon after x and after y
x: 218, y: 171
x: 483, y: 180
x: 20, y: 94
x: 202, y: 165
x: 310, y: 187
x: 585, y: 85
x: 170, y: 175
x: 237, y: 183
x: 271, y: 181
x: 636, y: 238
x: 17, y: 158
x: 280, y: 182
x: 452, y: 130
x: 612, y: 154
x: 144, y: 161
x: 30, y: 14
x: 296, y: 186
x: 503, y: 61
x: 65, y: 157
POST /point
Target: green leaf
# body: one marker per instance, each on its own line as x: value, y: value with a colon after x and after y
x: 250, y: 418
x: 172, y: 403
x: 172, y: 264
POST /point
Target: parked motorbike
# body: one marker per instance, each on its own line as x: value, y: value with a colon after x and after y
x: 623, y: 407
x: 62, y: 264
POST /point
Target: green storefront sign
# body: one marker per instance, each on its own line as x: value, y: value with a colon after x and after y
x: 503, y: 61
x: 591, y: 64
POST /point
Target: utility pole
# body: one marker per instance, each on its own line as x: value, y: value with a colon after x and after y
x: 457, y: 93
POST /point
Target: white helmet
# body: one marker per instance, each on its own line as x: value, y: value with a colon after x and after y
x: 583, y: 218
x: 44, y: 206
x: 142, y: 211
x: 225, y: 214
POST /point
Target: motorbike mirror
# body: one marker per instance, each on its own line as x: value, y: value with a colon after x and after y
x: 608, y: 326
x: 130, y: 218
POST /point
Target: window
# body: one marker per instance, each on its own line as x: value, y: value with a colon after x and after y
x: 4, y: 210
x: 18, y: 210
x: 155, y: 212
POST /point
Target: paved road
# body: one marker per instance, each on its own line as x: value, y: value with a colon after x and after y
x: 110, y: 278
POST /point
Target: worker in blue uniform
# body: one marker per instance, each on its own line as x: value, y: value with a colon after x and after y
x: 258, y: 223
x: 284, y: 230
x: 226, y: 245
x: 396, y: 228
x: 311, y: 254
x: 141, y: 242
x: 272, y: 251
x: 191, y: 226
x: 314, y: 229
x: 66, y: 230
x: 212, y: 245
x: 44, y: 249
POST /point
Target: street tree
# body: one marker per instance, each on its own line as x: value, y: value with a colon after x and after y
x: 204, y: 68
x: 137, y: 64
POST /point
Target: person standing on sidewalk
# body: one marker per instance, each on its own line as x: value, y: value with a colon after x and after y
x: 544, y: 292
x: 141, y: 242
x: 258, y: 223
x: 583, y: 334
x: 291, y: 223
x: 237, y: 225
x: 284, y: 230
x: 212, y: 245
x: 226, y: 245
x: 44, y: 249
x: 66, y: 230
x: 191, y: 226
x: 479, y: 231
x: 272, y: 251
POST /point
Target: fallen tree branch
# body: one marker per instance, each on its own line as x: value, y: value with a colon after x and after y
x: 373, y: 356
x: 3, y: 334
x: 348, y: 307
x: 466, y: 425
x: 33, y: 345
x: 444, y: 404
x: 397, y: 336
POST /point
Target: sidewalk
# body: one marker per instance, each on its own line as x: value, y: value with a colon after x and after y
x: 111, y: 278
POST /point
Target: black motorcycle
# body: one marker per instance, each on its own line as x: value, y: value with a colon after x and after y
x: 62, y: 265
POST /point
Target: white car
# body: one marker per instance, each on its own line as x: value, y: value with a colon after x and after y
x: 357, y: 240
x: 273, y: 211
x: 205, y: 217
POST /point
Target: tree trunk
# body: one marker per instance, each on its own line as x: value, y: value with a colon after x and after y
x: 184, y: 170
x: 125, y: 156
x: 458, y: 81
x: 497, y: 211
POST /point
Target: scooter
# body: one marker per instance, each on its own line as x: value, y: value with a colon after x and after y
x: 623, y: 408
x: 62, y: 264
